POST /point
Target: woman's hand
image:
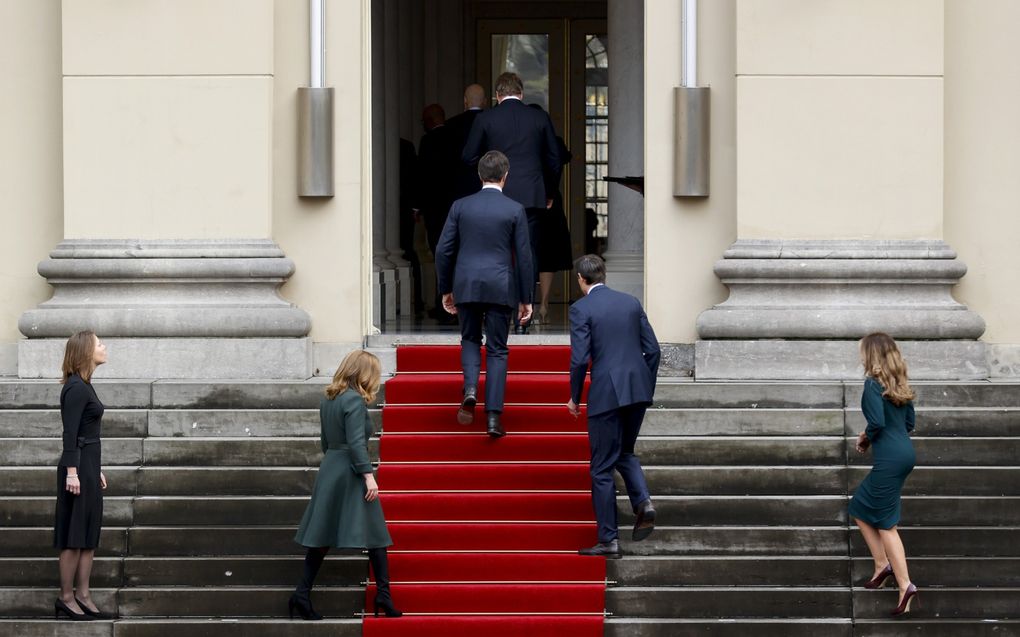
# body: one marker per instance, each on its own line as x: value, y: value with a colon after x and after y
x: 862, y: 442
x: 102, y: 480
x: 72, y: 484
x: 371, y: 488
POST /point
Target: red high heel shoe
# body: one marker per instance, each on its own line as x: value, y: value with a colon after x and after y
x: 880, y: 580
x: 908, y: 598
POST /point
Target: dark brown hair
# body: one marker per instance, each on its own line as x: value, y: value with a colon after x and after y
x: 493, y: 166
x: 360, y: 371
x: 882, y: 361
x: 592, y: 268
x: 79, y: 356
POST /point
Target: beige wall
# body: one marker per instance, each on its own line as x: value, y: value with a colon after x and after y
x: 30, y: 153
x: 685, y: 237
x: 168, y: 118
x: 839, y: 113
x: 328, y: 239
x: 982, y: 179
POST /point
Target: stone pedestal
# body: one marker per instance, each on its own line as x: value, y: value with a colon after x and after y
x: 797, y: 308
x: 170, y: 309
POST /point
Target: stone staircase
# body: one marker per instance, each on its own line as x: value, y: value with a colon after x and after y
x: 207, y: 481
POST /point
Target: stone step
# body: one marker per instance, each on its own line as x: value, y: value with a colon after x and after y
x: 942, y: 603
x: 181, y: 601
x: 953, y: 421
x: 740, y: 450
x: 743, y: 422
x: 196, y: 627
x: 956, y: 451
x: 945, y: 481
x: 45, y: 423
x: 730, y: 602
x: 45, y: 393
x: 22, y: 572
x: 739, y: 395
x: 951, y: 541
x: 909, y: 627
x: 950, y: 571
x: 167, y: 394
x: 815, y: 627
x: 38, y: 541
x: 46, y: 451
x: 39, y: 510
x: 950, y: 394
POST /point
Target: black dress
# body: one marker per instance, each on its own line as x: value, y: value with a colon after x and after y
x: 79, y: 518
x: 554, y: 252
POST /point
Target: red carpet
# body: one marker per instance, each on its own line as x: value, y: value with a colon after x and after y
x: 486, y: 531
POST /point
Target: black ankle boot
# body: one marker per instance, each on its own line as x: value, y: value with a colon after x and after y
x: 381, y: 569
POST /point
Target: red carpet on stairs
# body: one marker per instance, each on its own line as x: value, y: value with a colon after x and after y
x: 486, y: 531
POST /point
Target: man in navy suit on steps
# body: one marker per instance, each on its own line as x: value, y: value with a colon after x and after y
x: 484, y: 267
x: 609, y: 329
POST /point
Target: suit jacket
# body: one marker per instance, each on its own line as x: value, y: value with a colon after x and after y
x: 484, y: 255
x: 466, y: 180
x: 610, y: 329
x: 526, y: 136
x: 438, y: 158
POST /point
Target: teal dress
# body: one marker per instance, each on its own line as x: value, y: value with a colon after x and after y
x: 877, y: 499
x: 337, y: 515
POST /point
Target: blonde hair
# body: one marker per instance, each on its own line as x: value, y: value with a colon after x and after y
x: 79, y: 356
x: 360, y: 371
x: 883, y: 362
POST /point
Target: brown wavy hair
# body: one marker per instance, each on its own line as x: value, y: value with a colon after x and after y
x: 360, y: 371
x: 79, y: 356
x: 882, y: 361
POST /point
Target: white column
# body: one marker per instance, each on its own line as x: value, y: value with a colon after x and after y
x: 625, y: 250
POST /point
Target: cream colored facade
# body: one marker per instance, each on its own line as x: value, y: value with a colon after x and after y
x: 831, y: 119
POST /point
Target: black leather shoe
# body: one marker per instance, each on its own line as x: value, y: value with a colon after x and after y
x: 645, y: 522
x: 494, y: 428
x: 608, y: 550
x: 466, y: 413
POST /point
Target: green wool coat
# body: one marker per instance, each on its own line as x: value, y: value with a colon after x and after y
x: 337, y: 515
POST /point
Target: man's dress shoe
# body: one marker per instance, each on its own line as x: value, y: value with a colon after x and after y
x: 466, y: 413
x: 609, y: 550
x: 645, y: 522
x: 494, y: 428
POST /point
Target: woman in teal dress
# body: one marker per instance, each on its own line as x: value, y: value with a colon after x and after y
x: 344, y: 511
x: 875, y: 507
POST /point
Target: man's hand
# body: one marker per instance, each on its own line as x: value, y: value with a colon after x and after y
x: 572, y: 407
x: 548, y: 204
x: 524, y: 312
x: 448, y: 303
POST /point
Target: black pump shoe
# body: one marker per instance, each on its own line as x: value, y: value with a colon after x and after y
x: 304, y: 609
x: 97, y: 614
x: 60, y: 608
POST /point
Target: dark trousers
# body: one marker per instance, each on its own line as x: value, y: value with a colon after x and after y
x: 495, y: 319
x: 612, y: 435
x: 534, y: 222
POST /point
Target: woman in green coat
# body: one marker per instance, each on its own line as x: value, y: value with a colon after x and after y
x: 875, y: 507
x: 344, y: 511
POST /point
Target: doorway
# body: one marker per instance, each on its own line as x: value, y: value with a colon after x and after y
x: 564, y: 66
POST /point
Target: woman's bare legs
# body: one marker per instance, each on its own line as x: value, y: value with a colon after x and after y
x: 897, y: 557
x: 68, y: 567
x: 875, y: 545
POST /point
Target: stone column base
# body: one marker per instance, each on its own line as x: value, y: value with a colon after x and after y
x: 625, y: 271
x: 833, y: 360
x: 178, y: 358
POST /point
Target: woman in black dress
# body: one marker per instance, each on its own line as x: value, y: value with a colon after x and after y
x: 80, y: 479
x: 875, y: 507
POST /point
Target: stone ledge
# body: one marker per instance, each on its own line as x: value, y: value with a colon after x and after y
x: 180, y: 358
x: 833, y: 360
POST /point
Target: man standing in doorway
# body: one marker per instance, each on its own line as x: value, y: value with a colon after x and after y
x: 609, y: 329
x: 527, y: 138
x: 483, y: 262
